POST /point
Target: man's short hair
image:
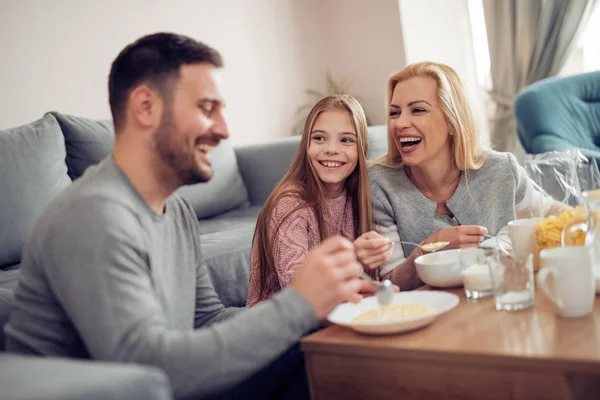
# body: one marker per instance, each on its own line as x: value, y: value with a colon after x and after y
x: 154, y: 60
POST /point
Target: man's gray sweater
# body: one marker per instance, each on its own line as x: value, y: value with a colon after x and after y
x: 105, y: 277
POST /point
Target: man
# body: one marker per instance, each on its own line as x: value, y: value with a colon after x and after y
x: 113, y: 271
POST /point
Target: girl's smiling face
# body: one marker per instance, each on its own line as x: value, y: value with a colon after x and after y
x: 333, y: 149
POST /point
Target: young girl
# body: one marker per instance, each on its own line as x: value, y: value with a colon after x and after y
x: 325, y: 192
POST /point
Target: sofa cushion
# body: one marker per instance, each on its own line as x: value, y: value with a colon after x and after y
x: 227, y: 256
x: 6, y: 299
x: 32, y: 160
x: 244, y: 217
x: 224, y: 192
x: 10, y: 267
x: 87, y: 141
x: 37, y: 378
x: 263, y: 165
x: 8, y: 281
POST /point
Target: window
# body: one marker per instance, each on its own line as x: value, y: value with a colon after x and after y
x: 480, y: 44
x: 481, y: 52
x: 586, y: 54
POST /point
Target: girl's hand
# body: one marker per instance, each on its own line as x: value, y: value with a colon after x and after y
x: 459, y: 236
x: 372, y: 250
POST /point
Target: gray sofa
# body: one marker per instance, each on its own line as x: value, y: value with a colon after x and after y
x: 40, y: 159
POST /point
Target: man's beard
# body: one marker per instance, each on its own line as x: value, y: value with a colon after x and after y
x: 180, y: 162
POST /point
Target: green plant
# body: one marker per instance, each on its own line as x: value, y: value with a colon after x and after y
x: 332, y: 87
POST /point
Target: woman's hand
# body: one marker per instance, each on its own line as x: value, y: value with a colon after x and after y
x: 459, y: 236
x: 373, y: 250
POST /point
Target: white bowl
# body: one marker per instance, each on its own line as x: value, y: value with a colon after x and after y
x: 441, y: 302
x: 440, y: 269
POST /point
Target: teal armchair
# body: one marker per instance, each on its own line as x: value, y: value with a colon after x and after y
x: 560, y: 113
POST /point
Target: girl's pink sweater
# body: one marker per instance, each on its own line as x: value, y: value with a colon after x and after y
x: 297, y: 235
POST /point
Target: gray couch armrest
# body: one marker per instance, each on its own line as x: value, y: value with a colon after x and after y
x: 34, y: 378
x: 263, y: 165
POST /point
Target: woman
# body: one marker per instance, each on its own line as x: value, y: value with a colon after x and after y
x: 326, y: 192
x: 435, y: 183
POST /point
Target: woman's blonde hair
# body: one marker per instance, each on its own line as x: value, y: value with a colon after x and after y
x: 453, y: 98
x: 302, y: 181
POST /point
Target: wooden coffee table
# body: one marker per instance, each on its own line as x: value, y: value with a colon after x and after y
x: 471, y: 352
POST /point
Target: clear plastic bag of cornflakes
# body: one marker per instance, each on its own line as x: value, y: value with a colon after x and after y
x: 564, y: 175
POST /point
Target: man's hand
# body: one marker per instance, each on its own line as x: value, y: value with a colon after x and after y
x: 328, y: 276
x: 366, y: 290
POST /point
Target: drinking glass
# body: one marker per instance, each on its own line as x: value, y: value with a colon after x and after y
x: 513, y: 283
x: 475, y: 272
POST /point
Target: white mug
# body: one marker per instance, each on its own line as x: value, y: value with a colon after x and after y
x: 572, y: 287
x: 522, y: 237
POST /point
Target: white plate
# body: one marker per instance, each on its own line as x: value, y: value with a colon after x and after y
x: 440, y: 301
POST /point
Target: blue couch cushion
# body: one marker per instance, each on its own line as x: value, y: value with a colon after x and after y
x: 224, y: 192
x: 560, y: 113
x: 87, y: 141
x: 33, y: 166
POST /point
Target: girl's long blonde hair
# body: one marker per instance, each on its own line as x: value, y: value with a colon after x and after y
x: 302, y: 182
x: 453, y: 98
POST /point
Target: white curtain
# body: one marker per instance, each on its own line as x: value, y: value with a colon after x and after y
x: 529, y: 40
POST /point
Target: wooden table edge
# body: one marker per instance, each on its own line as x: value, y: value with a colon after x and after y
x: 311, y: 346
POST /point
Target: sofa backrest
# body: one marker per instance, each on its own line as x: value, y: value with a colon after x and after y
x: 32, y: 172
x: 225, y: 191
x: 41, y: 158
x: 87, y: 141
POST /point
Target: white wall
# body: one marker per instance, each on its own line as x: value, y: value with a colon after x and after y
x: 440, y: 30
x: 365, y: 47
x: 56, y: 55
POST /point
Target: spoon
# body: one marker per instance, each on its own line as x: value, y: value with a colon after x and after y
x: 429, y: 247
x: 384, y: 290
